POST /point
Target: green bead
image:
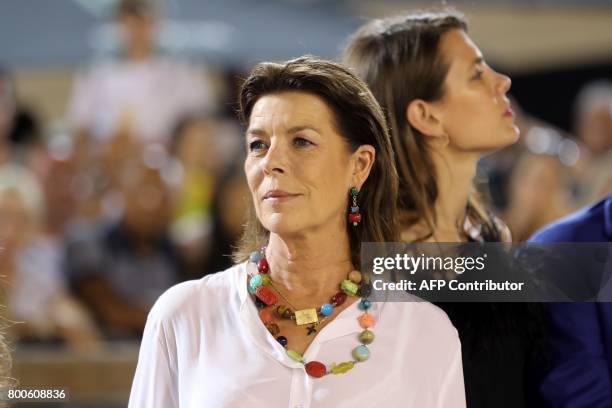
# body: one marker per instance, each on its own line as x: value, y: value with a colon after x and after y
x: 265, y: 279
x: 354, y: 191
x: 361, y: 353
x: 342, y: 367
x: 295, y: 356
x: 350, y: 288
x: 366, y: 337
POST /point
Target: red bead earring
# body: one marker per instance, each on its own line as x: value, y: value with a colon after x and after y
x: 354, y: 216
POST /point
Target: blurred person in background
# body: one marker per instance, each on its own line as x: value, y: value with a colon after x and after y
x: 20, y: 133
x: 538, y: 193
x: 230, y: 207
x: 119, y: 268
x: 530, y: 183
x: 30, y: 261
x: 141, y: 90
x: 446, y: 108
x: 197, y: 161
x: 593, y: 124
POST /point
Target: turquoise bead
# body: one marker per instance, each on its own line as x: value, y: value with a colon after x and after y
x: 255, y: 282
x: 365, y: 304
x: 326, y: 309
x: 361, y: 353
x: 255, y: 256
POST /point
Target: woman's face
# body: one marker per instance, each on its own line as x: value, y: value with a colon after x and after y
x: 475, y: 111
x: 298, y: 167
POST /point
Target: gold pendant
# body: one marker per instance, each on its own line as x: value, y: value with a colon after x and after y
x: 306, y: 316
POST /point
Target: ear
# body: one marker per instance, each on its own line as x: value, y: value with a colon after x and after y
x: 362, y: 162
x: 424, y: 117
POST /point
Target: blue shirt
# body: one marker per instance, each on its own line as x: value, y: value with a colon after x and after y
x: 580, y: 370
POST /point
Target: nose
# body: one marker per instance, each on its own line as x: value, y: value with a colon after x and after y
x: 275, y: 159
x: 504, y: 83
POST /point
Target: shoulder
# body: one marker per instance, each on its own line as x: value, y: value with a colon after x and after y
x: 591, y: 223
x: 425, y: 318
x: 193, y: 298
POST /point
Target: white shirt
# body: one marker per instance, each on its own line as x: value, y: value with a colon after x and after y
x: 148, y: 97
x: 205, y: 346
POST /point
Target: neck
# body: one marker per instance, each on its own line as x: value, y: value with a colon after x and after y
x: 455, y: 173
x: 309, y: 268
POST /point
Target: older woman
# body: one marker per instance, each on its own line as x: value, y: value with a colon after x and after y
x: 286, y: 327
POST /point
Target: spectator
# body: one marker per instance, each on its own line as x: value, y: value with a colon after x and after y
x: 594, y: 129
x: 122, y: 266
x: 141, y: 91
x: 30, y: 262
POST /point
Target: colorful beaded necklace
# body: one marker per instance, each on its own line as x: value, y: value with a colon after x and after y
x: 260, y: 287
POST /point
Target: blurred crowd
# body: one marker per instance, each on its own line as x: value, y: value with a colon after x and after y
x: 147, y: 190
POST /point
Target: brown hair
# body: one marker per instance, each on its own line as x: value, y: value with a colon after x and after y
x: 360, y: 121
x: 399, y: 59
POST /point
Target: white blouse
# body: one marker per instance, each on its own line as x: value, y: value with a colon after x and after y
x: 205, y: 346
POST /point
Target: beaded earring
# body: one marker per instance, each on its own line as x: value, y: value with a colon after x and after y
x: 355, y: 215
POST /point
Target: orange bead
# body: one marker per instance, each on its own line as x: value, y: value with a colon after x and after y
x: 265, y: 315
x: 366, y: 320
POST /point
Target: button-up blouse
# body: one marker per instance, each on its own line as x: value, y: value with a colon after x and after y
x: 205, y: 346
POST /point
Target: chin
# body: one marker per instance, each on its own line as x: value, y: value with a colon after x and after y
x: 509, y: 136
x: 281, y: 223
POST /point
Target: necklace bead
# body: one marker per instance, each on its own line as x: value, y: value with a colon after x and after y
x: 262, y: 266
x: 266, y: 295
x: 282, y: 340
x: 355, y: 277
x: 259, y: 303
x: 273, y: 328
x: 255, y: 256
x: 366, y: 337
x: 295, y: 356
x: 266, y: 316
x: 365, y: 290
x: 361, y: 353
x: 327, y: 309
x: 342, y: 368
x: 255, y: 282
x: 338, y: 299
x: 350, y: 288
x: 366, y: 320
x: 315, y: 369
x: 364, y: 304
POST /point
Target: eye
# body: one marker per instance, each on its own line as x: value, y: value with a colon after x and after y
x: 301, y: 142
x: 256, y: 145
x: 478, y: 75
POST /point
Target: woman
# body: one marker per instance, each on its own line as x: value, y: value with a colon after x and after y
x: 276, y: 330
x: 446, y: 108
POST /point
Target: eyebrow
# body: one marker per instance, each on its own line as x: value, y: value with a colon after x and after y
x: 295, y: 129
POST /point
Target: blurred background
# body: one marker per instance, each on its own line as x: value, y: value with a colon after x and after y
x: 121, y: 158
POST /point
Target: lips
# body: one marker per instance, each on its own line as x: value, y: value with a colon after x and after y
x: 508, y: 112
x: 278, y: 195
